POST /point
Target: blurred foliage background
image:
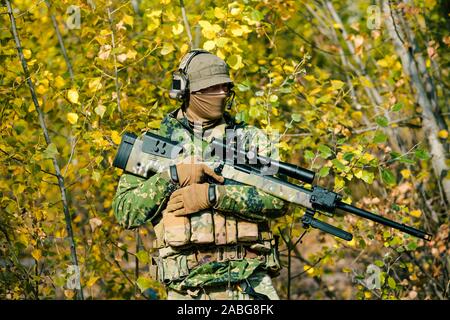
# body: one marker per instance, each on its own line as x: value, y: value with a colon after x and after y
x: 358, y: 89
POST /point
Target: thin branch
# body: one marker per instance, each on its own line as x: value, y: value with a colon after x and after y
x: 390, y: 122
x: 186, y: 24
x: 116, y: 78
x: 60, y: 41
x: 48, y: 141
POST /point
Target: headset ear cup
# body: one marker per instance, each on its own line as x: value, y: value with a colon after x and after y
x: 180, y: 81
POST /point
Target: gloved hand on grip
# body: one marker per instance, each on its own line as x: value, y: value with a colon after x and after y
x: 192, y: 171
x: 190, y: 199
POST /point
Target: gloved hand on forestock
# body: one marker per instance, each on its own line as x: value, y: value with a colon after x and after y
x: 192, y: 170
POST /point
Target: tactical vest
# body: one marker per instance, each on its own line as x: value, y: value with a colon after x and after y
x: 186, y: 242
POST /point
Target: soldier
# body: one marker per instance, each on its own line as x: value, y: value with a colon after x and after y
x: 213, y: 236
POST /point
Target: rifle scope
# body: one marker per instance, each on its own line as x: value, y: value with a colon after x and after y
x: 285, y: 168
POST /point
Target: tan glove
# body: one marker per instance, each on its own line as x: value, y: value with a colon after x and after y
x: 189, y: 200
x: 191, y: 171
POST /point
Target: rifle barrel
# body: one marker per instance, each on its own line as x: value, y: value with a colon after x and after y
x: 377, y: 218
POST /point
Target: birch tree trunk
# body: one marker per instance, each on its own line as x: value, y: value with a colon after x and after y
x: 430, y: 120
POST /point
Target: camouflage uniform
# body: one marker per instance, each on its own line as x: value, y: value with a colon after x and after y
x: 186, y: 272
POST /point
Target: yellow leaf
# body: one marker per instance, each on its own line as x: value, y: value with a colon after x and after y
x: 59, y: 82
x: 405, y: 173
x: 92, y: 280
x: 383, y: 63
x: 36, y: 254
x: 95, y: 84
x: 72, y: 117
x: 219, y: 13
x: 184, y: 48
x: 235, y: 11
x: 177, y: 29
x: 153, y: 25
x: 41, y: 89
x: 416, y: 213
x: 367, y: 294
x: 339, y: 183
x: 352, y: 243
x: 235, y: 62
x: 443, y: 134
x: 337, y: 84
x: 72, y: 95
x: 131, y: 54
x: 69, y: 293
x: 365, y: 82
x: 167, y: 48
x: 209, y: 45
x: 129, y: 20
x: 220, y: 54
x: 115, y: 137
x: 357, y: 115
x: 237, y: 31
x: 205, y: 24
x: 208, y: 30
x: 154, y: 14
x: 221, y: 42
x: 100, y: 110
x: 27, y: 53
x: 309, y: 270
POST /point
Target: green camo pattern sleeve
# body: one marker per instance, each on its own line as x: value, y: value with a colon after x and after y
x: 249, y: 203
x: 137, y: 200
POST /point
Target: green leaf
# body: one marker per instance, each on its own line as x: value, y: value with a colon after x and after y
x: 244, y: 86
x: 404, y: 159
x: 397, y: 107
x: 422, y: 154
x: 144, y: 283
x: 391, y: 283
x: 285, y: 90
x: 379, y: 263
x: 257, y: 15
x: 395, y: 155
x: 296, y: 117
x: 142, y: 256
x: 382, y: 121
x: 51, y: 151
x: 348, y: 156
x: 323, y: 99
x: 338, y: 164
x: 309, y: 155
x: 379, y: 137
x: 367, y: 176
x: 324, y: 171
x: 325, y: 151
x: 412, y: 246
x: 388, y: 177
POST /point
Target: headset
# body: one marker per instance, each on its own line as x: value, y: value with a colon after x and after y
x: 180, y: 80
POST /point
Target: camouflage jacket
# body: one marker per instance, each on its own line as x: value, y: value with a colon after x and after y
x: 138, y: 201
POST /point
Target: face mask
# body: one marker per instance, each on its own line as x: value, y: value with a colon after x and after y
x: 206, y: 108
